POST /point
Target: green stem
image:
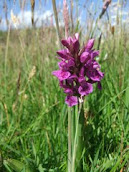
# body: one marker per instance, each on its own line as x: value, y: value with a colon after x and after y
x: 78, y: 140
x: 69, y: 140
x: 75, y: 138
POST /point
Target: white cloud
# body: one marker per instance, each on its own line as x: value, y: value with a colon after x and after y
x: 113, y: 17
x: 24, y: 19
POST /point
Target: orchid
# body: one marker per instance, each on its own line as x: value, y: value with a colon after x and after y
x: 78, y: 69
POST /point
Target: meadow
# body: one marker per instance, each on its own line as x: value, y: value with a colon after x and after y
x: 33, y: 113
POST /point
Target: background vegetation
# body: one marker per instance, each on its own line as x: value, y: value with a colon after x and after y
x: 33, y: 115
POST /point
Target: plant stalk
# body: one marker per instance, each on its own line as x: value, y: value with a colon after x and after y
x: 56, y: 20
x: 69, y: 140
x: 78, y: 145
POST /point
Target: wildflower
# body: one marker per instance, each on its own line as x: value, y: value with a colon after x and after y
x: 78, y: 69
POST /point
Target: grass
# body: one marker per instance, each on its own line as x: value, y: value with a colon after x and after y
x: 33, y: 116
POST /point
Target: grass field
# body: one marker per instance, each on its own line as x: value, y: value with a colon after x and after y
x: 33, y: 115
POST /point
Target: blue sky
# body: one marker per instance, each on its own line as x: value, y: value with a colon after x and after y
x: 43, y: 10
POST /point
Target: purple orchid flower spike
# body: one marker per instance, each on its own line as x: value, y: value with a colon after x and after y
x: 64, y: 54
x: 61, y: 75
x: 85, y: 56
x: 90, y: 44
x: 72, y: 44
x: 78, y: 69
x: 85, y: 88
x: 71, y: 100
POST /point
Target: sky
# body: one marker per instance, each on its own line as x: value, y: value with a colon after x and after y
x: 44, y: 11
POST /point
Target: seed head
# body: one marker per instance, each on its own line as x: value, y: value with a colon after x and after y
x: 66, y: 17
x: 14, y: 19
x: 32, y: 73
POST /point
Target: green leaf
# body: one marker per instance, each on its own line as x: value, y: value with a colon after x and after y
x: 17, y: 166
